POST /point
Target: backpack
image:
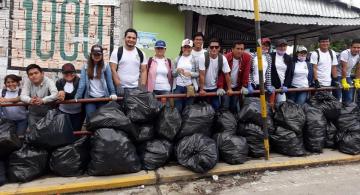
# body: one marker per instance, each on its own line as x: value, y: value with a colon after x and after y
x: 120, y: 53
x: 150, y: 62
x: 220, y: 62
x: 318, y: 53
x: 3, y: 92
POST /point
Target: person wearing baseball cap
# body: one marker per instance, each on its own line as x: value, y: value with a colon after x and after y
x: 67, y: 87
x: 159, y: 79
x: 303, y: 75
x: 282, y: 70
x: 95, y: 80
x: 185, y: 73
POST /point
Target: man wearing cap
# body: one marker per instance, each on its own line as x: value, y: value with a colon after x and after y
x: 303, y: 76
x: 129, y: 65
x: 67, y: 87
x: 39, y: 91
x: 267, y: 63
x: 349, y: 60
x: 324, y: 63
x: 159, y: 78
x: 282, y: 70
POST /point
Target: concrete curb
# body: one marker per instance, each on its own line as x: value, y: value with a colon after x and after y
x: 176, y: 173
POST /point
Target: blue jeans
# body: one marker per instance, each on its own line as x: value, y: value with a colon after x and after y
x: 180, y: 104
x: 92, y: 107
x: 298, y: 97
x: 76, y: 120
x: 346, y: 96
x: 231, y: 102
x: 21, y: 126
x: 215, y: 100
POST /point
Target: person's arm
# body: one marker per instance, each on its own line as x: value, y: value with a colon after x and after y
x: 174, y: 71
x: 315, y: 72
x: 109, y: 81
x: 202, y: 82
x: 228, y: 82
x: 245, y: 74
x: 82, y: 83
x: 25, y: 93
x: 143, y: 76
x: 53, y: 92
x: 289, y: 74
x: 114, y: 65
x: 195, y: 69
x: 10, y: 100
x: 334, y: 71
x: 334, y: 64
x: 61, y: 92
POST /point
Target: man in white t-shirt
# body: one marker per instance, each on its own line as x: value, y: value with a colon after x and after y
x: 128, y: 65
x: 324, y: 63
x: 349, y: 59
x: 211, y: 66
x: 197, y: 50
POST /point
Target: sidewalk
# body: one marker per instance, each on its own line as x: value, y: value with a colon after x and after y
x: 51, y: 185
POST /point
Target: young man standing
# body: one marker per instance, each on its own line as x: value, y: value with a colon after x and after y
x: 324, y: 63
x: 38, y: 91
x: 128, y: 64
x: 349, y: 59
x: 211, y: 65
x: 198, y: 40
x: 239, y: 63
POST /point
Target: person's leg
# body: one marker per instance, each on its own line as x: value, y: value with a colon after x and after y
x: 301, y: 97
x: 226, y: 102
x: 347, y: 96
x: 338, y: 92
x: 90, y: 108
x: 234, y: 104
x: 292, y: 96
x: 178, y: 101
x: 21, y: 126
x: 214, y: 101
x: 76, y: 121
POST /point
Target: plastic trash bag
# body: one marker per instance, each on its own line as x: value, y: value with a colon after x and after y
x: 315, y: 129
x: 27, y: 164
x: 331, y: 131
x: 53, y: 130
x: 232, y: 149
x: 350, y: 143
x: 155, y: 153
x: 141, y: 107
x: 197, y: 152
x: 71, y: 160
x: 145, y: 132
x: 9, y: 141
x: 288, y: 142
x: 111, y: 116
x: 327, y: 103
x: 197, y: 118
x: 112, y: 153
x: 225, y: 121
x: 168, y: 123
x: 2, y: 173
x: 290, y: 116
x: 250, y: 111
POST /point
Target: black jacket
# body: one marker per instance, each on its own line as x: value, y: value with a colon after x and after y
x: 60, y: 86
x: 275, y: 80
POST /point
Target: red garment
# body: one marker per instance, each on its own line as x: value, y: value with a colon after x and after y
x: 244, y: 71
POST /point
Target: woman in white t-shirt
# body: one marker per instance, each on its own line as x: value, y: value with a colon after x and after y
x: 11, y: 94
x: 303, y: 76
x: 185, y: 72
x: 159, y: 78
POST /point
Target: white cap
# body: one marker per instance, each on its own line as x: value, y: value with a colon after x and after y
x: 301, y: 48
x: 187, y: 42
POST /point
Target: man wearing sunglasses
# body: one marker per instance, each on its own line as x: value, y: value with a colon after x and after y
x: 211, y: 65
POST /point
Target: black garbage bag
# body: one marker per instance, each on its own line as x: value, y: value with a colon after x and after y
x: 168, y: 123
x: 145, y: 132
x: 197, y: 118
x: 71, y: 160
x: 348, y: 119
x: 111, y: 116
x: 254, y: 136
x: 315, y: 129
x: 2, y: 173
x: 27, y: 164
x: 327, y: 103
x: 350, y: 143
x: 112, y: 153
x: 290, y: 116
x: 250, y: 111
x: 232, y: 149
x: 9, y: 141
x: 141, y: 107
x: 331, y: 131
x: 288, y: 142
x: 225, y: 121
x: 155, y: 153
x: 52, y: 131
x: 197, y: 152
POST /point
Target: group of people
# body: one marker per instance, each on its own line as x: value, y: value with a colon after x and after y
x: 194, y: 70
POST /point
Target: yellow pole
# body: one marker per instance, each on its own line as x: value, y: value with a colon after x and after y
x: 261, y: 79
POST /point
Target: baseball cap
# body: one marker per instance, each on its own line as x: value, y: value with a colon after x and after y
x: 160, y: 44
x: 187, y: 42
x: 281, y: 42
x: 301, y: 48
x: 97, y: 49
x: 68, y: 68
x: 265, y: 40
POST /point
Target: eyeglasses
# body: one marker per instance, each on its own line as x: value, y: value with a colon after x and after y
x: 214, y: 47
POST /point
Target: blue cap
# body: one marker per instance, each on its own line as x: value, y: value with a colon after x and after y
x: 160, y: 44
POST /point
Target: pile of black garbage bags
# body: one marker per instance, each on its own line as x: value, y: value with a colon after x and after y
x: 140, y: 134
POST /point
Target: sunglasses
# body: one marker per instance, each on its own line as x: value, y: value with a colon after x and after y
x: 214, y: 47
